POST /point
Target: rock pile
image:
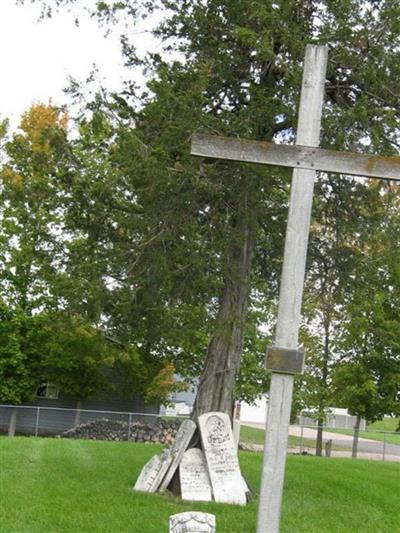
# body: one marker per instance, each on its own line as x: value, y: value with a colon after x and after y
x: 162, y: 431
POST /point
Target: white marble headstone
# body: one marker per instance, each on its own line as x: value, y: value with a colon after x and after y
x: 192, y: 522
x: 146, y: 480
x: 193, y: 476
x: 178, y: 448
x: 221, y: 457
x: 158, y: 472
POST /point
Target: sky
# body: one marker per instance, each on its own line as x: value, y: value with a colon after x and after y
x: 37, y: 57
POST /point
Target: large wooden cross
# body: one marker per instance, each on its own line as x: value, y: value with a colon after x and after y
x: 284, y: 359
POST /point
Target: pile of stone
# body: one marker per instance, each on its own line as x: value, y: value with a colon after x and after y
x: 201, y: 465
x: 162, y: 431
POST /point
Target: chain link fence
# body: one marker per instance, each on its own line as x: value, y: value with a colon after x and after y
x: 338, y: 442
x: 50, y: 421
x: 335, y: 442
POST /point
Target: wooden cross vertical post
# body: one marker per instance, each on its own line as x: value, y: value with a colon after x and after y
x: 283, y: 359
x: 290, y: 298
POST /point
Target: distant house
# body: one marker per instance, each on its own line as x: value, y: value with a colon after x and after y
x: 181, y: 402
x: 182, y: 405
x: 254, y: 413
x: 336, y: 417
x: 53, y: 411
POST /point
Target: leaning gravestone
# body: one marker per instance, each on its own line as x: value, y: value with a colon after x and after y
x: 221, y: 456
x: 194, y: 479
x: 147, y: 478
x: 192, y: 523
x: 178, y: 448
x: 158, y: 472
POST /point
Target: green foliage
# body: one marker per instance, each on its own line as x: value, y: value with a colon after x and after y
x: 48, y: 266
x: 153, y: 230
x: 238, y: 73
x: 75, y: 355
x: 19, y: 356
x: 30, y: 213
x: 356, y: 388
x: 253, y: 378
x: 368, y: 378
x: 341, y: 226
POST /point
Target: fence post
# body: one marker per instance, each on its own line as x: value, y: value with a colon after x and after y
x: 384, y: 446
x: 301, y: 437
x: 13, y: 422
x: 37, y: 421
x: 77, y: 420
x: 328, y: 448
x: 129, y: 426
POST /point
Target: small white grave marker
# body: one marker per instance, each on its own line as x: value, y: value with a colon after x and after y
x: 194, y: 478
x: 192, y: 523
x: 146, y: 480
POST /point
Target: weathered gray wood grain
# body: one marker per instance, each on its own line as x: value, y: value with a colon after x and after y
x: 305, y: 157
x: 291, y: 292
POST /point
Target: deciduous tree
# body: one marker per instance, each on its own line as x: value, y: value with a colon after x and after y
x: 367, y: 379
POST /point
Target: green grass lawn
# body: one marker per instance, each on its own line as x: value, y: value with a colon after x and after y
x: 373, y: 435
x: 256, y: 436
x: 61, y: 485
x: 387, y: 424
x: 376, y: 431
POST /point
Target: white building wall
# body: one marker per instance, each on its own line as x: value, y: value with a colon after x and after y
x: 256, y: 413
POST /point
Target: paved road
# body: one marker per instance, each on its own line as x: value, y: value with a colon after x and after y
x: 367, y: 448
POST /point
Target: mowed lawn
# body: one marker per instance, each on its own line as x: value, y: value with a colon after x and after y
x: 387, y: 424
x: 377, y: 431
x: 61, y: 485
x: 257, y: 436
x: 381, y: 436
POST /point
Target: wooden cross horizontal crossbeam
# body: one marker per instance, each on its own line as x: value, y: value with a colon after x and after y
x: 355, y: 164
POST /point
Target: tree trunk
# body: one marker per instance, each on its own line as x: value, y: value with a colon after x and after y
x: 355, y: 437
x: 217, y: 382
x: 320, y: 428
